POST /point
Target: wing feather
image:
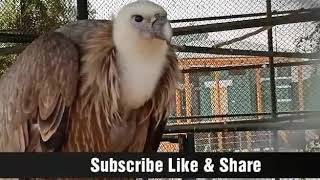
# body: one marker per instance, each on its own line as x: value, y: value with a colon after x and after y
x: 49, y: 125
x: 40, y: 85
x: 162, y: 102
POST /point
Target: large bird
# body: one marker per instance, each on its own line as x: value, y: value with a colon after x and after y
x: 92, y: 86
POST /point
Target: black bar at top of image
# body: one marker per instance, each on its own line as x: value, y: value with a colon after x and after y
x: 284, y: 165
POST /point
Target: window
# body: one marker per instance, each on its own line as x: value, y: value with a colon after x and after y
x: 237, y: 72
x: 283, y: 71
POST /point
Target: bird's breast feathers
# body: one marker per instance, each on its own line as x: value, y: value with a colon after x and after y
x: 138, y: 79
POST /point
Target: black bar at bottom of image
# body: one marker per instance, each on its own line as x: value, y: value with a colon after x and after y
x: 160, y: 165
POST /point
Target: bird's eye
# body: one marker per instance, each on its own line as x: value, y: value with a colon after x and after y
x: 138, y: 18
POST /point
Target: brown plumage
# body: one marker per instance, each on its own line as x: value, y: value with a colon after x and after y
x: 63, y: 94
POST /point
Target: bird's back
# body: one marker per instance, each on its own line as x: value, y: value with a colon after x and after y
x: 78, y: 31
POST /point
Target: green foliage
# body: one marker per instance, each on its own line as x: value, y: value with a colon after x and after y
x: 34, y: 17
x: 310, y: 42
x: 313, y: 146
x: 5, y: 62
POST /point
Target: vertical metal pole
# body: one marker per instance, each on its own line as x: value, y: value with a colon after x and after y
x: 182, y: 141
x: 82, y: 9
x: 272, y: 78
x: 189, y: 148
x: 190, y: 143
x: 23, y: 16
x: 22, y: 7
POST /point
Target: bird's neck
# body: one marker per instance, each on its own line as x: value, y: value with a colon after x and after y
x: 140, y: 69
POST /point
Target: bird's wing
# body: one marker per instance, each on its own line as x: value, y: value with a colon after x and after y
x: 161, y: 102
x: 37, y: 92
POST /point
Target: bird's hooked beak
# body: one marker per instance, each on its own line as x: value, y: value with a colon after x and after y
x: 158, y: 29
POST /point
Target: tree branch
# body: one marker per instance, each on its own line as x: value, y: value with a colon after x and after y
x: 241, y: 15
x: 216, y: 27
x: 16, y: 38
x: 241, y: 37
x: 12, y: 50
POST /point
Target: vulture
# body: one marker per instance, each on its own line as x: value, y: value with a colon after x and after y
x: 92, y: 86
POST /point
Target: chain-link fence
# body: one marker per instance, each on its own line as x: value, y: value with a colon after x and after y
x: 250, y: 68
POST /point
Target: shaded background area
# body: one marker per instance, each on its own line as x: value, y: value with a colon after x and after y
x: 251, y: 78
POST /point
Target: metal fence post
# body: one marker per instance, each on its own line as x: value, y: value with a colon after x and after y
x: 186, y: 143
x: 182, y: 142
x: 82, y: 9
x: 190, y: 143
x: 272, y: 78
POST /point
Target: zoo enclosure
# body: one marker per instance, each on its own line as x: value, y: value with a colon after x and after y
x: 250, y: 68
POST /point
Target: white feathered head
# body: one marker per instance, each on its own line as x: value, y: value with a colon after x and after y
x: 142, y: 19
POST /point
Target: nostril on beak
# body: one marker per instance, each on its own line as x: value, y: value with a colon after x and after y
x: 158, y: 18
x: 153, y: 20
